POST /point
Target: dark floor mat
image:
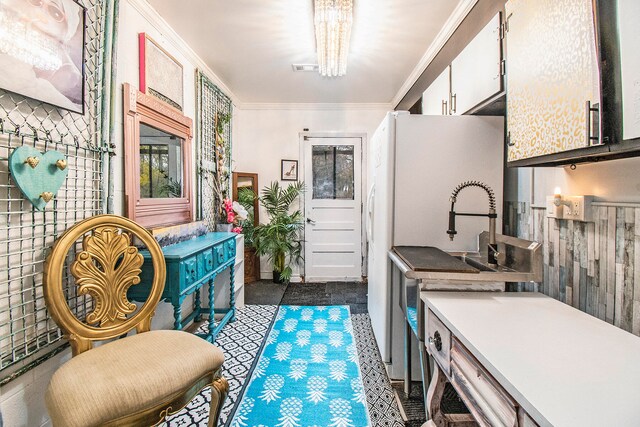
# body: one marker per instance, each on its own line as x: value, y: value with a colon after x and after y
x: 332, y: 293
x: 264, y: 292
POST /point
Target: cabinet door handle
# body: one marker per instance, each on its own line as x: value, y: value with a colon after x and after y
x: 454, y: 103
x: 445, y: 111
x: 593, y: 123
x: 509, y: 143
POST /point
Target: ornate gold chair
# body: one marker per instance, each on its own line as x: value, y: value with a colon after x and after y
x: 136, y: 380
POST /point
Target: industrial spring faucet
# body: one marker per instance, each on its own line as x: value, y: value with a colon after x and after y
x: 492, y: 258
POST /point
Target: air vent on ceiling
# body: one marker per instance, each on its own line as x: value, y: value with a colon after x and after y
x: 305, y: 67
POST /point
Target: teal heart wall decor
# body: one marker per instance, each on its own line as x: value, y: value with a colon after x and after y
x: 38, y: 175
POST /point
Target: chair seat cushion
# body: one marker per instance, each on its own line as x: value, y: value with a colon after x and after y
x: 128, y: 376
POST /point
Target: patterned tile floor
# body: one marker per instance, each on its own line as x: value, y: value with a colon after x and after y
x: 242, y: 341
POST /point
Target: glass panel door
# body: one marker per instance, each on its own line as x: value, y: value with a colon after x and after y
x: 333, y: 172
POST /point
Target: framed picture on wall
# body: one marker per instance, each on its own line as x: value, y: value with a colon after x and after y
x: 289, y: 170
x: 161, y: 75
x: 42, y: 51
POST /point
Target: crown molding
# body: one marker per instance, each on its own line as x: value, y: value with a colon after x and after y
x: 314, y: 106
x: 153, y: 17
x: 457, y: 16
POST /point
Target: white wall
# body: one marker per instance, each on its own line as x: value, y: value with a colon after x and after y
x: 265, y: 135
x: 611, y: 181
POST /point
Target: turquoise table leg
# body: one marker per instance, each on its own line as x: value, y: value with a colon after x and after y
x: 212, y: 317
x: 198, y: 306
x: 232, y: 292
x: 177, y: 313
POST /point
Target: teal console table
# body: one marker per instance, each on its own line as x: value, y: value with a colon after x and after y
x: 190, y: 265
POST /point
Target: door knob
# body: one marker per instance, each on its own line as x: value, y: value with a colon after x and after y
x: 310, y: 221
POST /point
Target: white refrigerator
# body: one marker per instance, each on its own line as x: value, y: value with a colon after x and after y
x: 415, y: 163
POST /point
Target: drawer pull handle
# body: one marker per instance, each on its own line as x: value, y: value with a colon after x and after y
x: 436, y: 341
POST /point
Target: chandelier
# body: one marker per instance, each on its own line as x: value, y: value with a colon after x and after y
x: 332, y: 20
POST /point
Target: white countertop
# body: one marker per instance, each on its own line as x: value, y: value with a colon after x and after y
x: 563, y: 366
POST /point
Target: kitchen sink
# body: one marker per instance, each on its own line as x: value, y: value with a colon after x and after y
x: 475, y: 262
x: 518, y: 261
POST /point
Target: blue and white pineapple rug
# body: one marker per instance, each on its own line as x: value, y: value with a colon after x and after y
x: 308, y: 373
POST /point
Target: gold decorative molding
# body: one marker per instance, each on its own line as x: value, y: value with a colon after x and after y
x: 105, y: 268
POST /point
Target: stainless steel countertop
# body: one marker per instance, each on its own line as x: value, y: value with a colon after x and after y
x: 529, y: 271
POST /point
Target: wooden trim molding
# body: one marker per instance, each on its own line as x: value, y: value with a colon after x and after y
x: 142, y: 108
x: 251, y: 259
x: 256, y: 205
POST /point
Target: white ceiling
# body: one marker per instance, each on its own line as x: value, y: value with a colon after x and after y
x: 251, y: 44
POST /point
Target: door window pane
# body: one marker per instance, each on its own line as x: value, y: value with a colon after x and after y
x: 160, y: 164
x: 333, y: 172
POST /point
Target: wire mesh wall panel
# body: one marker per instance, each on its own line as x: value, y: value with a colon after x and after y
x: 213, y: 150
x: 27, y: 333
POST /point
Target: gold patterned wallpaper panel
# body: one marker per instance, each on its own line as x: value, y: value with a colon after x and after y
x: 551, y: 73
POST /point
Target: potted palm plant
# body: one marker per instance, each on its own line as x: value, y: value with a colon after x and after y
x: 281, y: 238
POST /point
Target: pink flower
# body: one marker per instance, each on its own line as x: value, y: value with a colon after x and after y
x: 227, y: 205
x: 230, y: 217
x: 236, y: 230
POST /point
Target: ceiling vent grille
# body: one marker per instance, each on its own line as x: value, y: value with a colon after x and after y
x: 305, y: 67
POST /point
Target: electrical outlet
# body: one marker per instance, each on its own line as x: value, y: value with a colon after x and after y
x: 579, y: 208
x: 575, y: 208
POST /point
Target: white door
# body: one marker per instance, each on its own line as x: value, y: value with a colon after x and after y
x: 333, y: 230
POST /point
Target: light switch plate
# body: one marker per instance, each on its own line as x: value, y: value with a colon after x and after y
x: 551, y: 208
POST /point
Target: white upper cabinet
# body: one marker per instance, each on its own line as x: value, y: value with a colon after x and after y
x: 435, y: 100
x: 476, y: 73
x: 629, y: 34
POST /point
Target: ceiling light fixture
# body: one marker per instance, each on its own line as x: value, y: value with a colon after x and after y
x: 332, y: 20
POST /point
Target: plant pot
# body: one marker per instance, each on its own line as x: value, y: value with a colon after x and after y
x: 224, y: 227
x: 276, y: 277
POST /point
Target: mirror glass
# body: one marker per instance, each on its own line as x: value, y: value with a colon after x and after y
x: 160, y: 164
x: 246, y: 193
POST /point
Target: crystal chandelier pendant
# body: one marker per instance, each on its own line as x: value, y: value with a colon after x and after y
x: 333, y: 20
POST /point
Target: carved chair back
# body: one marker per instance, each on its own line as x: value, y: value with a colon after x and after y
x: 105, y: 268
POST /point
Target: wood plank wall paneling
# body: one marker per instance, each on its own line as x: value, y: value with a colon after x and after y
x: 588, y: 265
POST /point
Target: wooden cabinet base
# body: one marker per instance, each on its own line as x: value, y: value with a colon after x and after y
x: 251, y: 265
x: 434, y: 399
